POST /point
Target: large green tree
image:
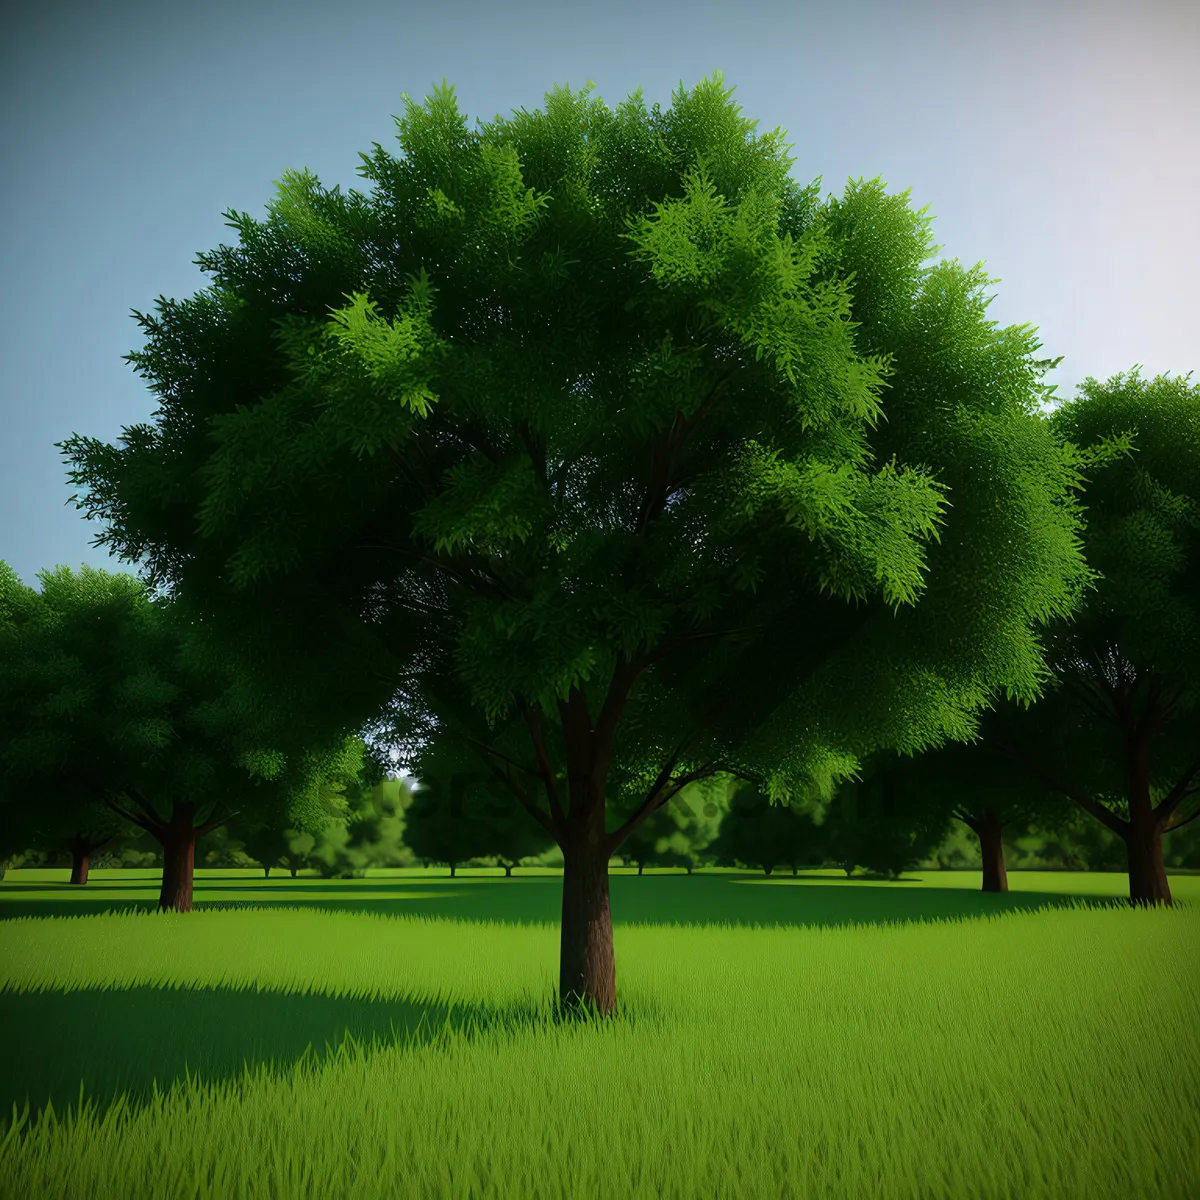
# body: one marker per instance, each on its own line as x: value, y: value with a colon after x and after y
x: 593, y: 441
x: 1117, y: 731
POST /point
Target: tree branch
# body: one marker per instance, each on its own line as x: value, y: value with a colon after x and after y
x: 488, y: 755
x: 1084, y: 690
x: 662, y: 457
x: 546, y: 822
x: 682, y: 641
x: 623, y: 677
x: 484, y: 751
x: 132, y: 818
x: 655, y: 800
x: 533, y: 721
x: 1008, y: 746
x: 215, y: 823
x: 134, y: 794
x: 1171, y: 800
x: 1180, y: 824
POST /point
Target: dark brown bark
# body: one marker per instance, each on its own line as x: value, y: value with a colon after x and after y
x: 1147, y: 872
x: 178, y: 840
x: 1143, y: 832
x: 81, y: 848
x: 81, y: 861
x: 587, y: 966
x: 991, y: 846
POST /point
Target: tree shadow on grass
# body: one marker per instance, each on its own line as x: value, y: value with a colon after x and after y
x: 129, y: 1040
x: 741, y: 899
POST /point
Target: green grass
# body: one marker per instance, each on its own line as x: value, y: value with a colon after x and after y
x: 392, y: 1037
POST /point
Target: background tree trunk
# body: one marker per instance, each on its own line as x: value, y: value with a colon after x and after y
x: 178, y: 841
x: 991, y: 845
x: 81, y: 861
x: 768, y: 868
x: 293, y: 872
x: 508, y: 870
x: 587, y: 966
x: 640, y: 865
x: 267, y: 872
x: 452, y: 866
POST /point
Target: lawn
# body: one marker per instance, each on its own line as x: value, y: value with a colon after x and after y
x: 783, y: 1037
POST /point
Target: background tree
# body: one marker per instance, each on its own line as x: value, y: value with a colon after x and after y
x: 437, y: 831
x: 118, y: 714
x: 42, y: 681
x: 679, y: 834
x: 461, y: 811
x: 59, y: 651
x: 1117, y: 732
x: 758, y: 834
x: 349, y: 798
x: 574, y: 428
x: 370, y: 835
x: 901, y: 810
x: 266, y: 843
x: 869, y: 826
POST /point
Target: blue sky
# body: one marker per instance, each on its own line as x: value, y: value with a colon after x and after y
x: 1055, y: 141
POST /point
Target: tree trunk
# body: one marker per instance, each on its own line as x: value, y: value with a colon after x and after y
x: 178, y: 841
x: 81, y: 861
x: 508, y: 870
x: 452, y: 866
x: 587, y: 966
x: 991, y: 845
x: 267, y: 872
x: 640, y: 865
x: 1147, y: 873
x: 1143, y: 833
x: 768, y: 868
x: 293, y: 872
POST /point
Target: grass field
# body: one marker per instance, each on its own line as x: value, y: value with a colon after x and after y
x: 780, y: 1037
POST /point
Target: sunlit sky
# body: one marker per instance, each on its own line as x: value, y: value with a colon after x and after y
x: 1054, y: 141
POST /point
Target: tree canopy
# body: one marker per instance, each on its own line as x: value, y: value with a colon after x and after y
x: 594, y: 441
x: 1117, y: 731
x: 117, y: 714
